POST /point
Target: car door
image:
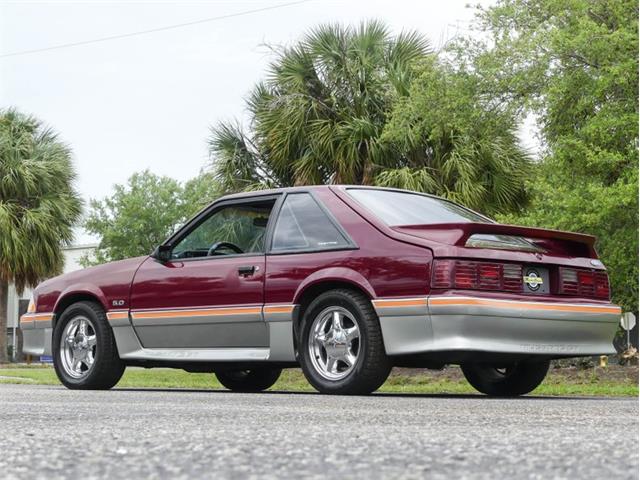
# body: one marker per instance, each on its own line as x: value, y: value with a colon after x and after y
x: 209, y: 291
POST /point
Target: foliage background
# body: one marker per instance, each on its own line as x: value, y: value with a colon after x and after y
x: 143, y: 213
x: 574, y: 64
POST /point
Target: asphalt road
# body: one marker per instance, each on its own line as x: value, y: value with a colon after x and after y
x: 50, y: 432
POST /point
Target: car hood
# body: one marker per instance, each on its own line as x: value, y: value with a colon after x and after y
x: 121, y: 269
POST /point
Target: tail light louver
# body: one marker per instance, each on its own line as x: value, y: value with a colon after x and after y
x: 507, y: 277
x: 583, y: 283
x: 477, y: 275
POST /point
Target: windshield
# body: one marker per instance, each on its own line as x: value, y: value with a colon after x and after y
x: 405, y: 208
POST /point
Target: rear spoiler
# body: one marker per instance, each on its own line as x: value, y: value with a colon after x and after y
x: 457, y: 234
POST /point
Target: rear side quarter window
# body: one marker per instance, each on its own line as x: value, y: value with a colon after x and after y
x: 303, y: 225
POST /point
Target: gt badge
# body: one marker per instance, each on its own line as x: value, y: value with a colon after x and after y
x: 533, y: 280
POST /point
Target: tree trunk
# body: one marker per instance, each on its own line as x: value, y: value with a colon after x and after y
x: 4, y: 313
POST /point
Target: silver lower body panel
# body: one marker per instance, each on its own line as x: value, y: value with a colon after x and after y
x: 265, y: 337
x: 279, y: 347
x: 497, y: 326
x: 37, y: 341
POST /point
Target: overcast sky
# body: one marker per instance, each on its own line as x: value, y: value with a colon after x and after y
x: 148, y: 101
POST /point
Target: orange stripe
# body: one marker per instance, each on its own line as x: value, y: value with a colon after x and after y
x: 117, y: 315
x: 409, y: 302
x: 525, y: 305
x: 196, y: 313
x: 36, y: 317
x: 279, y: 309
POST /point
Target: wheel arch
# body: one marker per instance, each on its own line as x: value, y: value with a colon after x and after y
x: 71, y: 296
x: 328, y: 279
x: 323, y: 281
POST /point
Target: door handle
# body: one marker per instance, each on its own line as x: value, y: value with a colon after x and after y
x: 247, y: 270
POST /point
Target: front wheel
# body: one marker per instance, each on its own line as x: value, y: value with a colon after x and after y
x: 506, y: 381
x: 251, y: 380
x: 85, y: 355
x: 341, y: 348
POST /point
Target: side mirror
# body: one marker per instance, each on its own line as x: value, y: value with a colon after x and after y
x: 162, y: 253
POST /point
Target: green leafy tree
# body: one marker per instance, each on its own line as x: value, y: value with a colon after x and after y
x: 451, y: 141
x: 574, y: 64
x: 142, y: 213
x: 38, y: 206
x: 610, y: 213
x: 136, y: 218
x: 199, y: 192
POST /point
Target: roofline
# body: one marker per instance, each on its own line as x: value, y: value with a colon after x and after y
x: 343, y: 187
x: 275, y: 191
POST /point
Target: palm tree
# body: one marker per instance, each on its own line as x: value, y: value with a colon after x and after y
x: 38, y: 206
x: 318, y: 116
x: 358, y: 105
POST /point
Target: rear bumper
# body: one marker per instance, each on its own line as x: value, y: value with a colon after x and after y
x: 440, y: 324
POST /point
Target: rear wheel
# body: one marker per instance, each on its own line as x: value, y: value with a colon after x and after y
x: 85, y: 355
x: 341, y: 348
x: 506, y: 381
x: 251, y: 380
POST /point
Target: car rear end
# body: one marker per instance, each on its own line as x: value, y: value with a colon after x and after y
x: 496, y: 291
x: 521, y: 308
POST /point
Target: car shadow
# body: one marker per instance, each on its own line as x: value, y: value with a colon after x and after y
x: 444, y: 396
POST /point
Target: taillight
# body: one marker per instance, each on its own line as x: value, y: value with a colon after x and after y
x: 489, y: 276
x: 512, y: 277
x: 442, y: 271
x: 602, y: 285
x: 477, y: 275
x: 465, y: 275
x: 583, y: 283
x: 568, y: 281
x: 586, y: 283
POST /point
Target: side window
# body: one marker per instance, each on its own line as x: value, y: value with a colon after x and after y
x: 303, y: 225
x: 231, y: 230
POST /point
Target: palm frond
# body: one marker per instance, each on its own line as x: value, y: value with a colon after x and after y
x: 38, y: 203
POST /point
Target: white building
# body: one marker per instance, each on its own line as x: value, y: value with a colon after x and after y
x: 17, y: 304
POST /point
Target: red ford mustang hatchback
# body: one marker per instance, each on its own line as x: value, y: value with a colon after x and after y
x: 345, y: 282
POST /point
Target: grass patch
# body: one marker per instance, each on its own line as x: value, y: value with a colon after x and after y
x: 449, y: 381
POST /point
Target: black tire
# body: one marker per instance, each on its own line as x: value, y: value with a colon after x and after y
x: 250, y: 380
x: 107, y: 368
x: 516, y: 379
x: 372, y: 366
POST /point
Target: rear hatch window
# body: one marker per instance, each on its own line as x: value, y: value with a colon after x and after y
x: 397, y: 209
x: 405, y: 208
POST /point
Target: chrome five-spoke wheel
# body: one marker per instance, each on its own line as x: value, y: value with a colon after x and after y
x: 78, y: 347
x: 334, y: 343
x: 85, y: 355
x: 341, y: 350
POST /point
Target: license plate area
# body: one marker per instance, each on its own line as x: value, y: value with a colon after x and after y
x: 535, y: 280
